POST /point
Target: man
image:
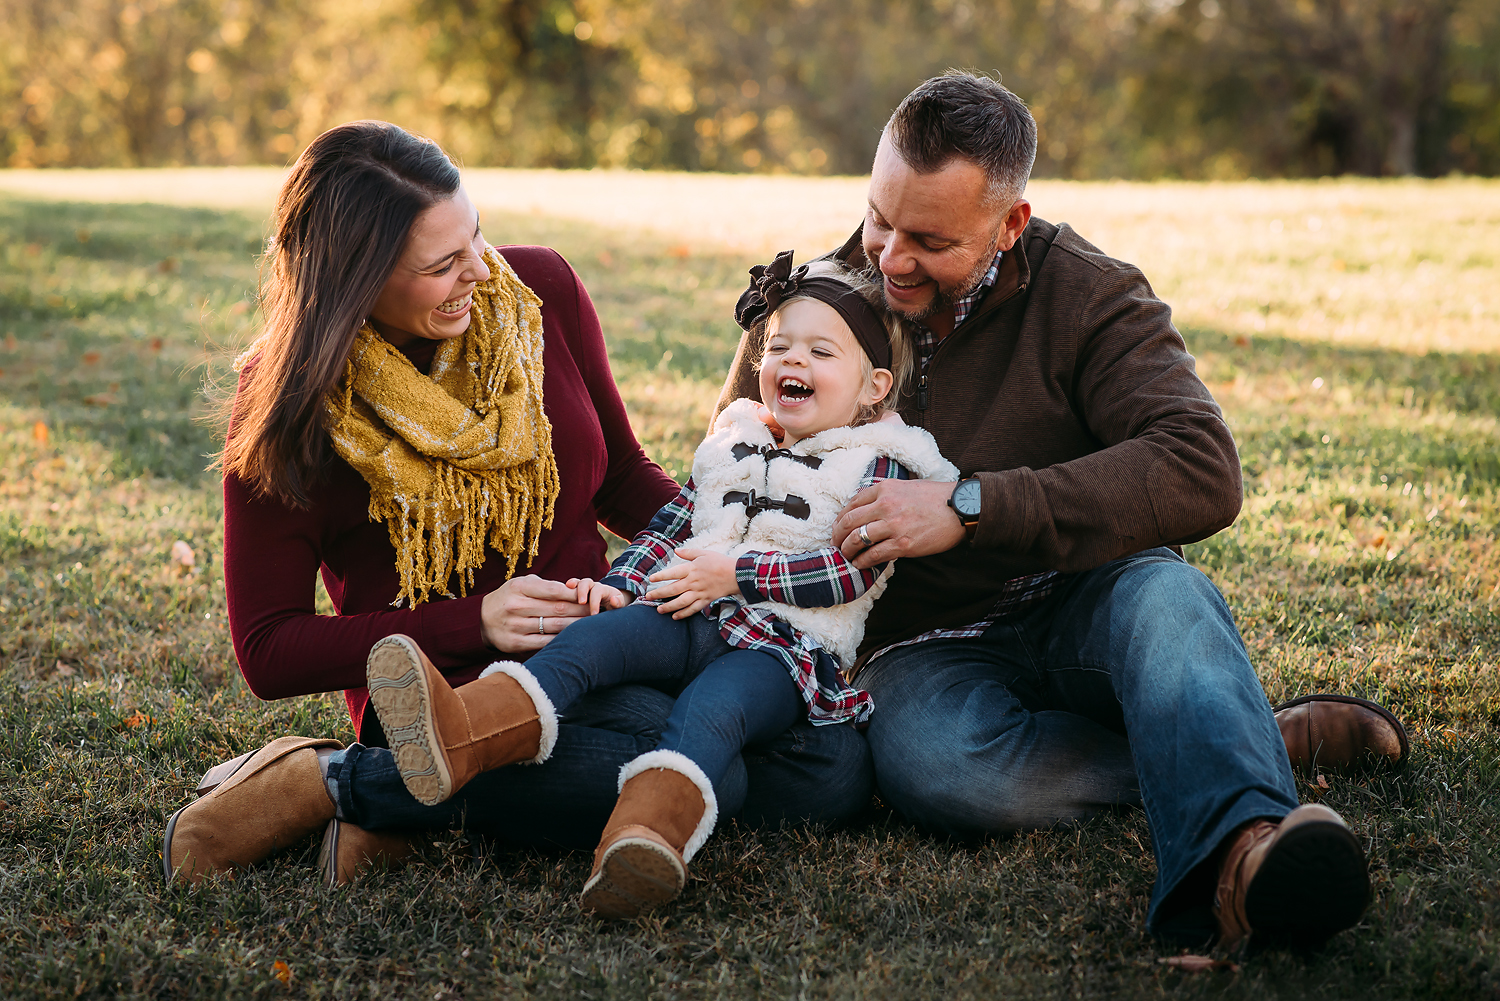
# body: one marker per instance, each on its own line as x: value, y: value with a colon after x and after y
x: 1043, y: 651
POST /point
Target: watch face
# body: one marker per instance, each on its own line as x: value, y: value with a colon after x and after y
x: 966, y: 498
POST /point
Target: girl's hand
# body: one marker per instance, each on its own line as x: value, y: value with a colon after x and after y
x: 598, y: 597
x: 514, y: 613
x: 691, y: 585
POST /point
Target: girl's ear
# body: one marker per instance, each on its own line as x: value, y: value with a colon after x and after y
x: 878, y: 387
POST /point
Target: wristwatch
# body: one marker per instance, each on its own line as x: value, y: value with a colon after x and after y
x: 965, y: 502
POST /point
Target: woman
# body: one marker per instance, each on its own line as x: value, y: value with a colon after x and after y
x: 423, y: 418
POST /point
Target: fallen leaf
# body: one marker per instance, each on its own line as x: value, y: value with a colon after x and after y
x: 167, y: 266
x: 606, y: 259
x: 1378, y: 541
x: 90, y: 357
x: 4, y: 805
x: 182, y: 554
x: 681, y: 251
x: 1199, y: 964
x: 63, y: 670
x: 10, y: 342
x: 83, y: 235
x: 1323, y: 781
x: 136, y: 720
x: 282, y: 972
x: 40, y: 433
x: 156, y: 344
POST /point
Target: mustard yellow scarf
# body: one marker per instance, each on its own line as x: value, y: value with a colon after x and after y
x: 462, y: 456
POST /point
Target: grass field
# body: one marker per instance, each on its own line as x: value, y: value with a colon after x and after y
x: 1351, y: 330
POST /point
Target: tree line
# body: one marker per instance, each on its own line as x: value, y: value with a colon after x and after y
x: 1119, y: 88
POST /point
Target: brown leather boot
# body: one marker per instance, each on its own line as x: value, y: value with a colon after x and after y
x: 441, y: 737
x: 273, y: 799
x: 349, y: 852
x: 1340, y: 733
x: 666, y: 811
x: 1298, y: 881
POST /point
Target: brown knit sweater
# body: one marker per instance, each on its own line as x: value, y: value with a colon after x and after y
x: 1069, y: 393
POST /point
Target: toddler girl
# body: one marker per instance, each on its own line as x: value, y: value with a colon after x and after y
x: 734, y: 589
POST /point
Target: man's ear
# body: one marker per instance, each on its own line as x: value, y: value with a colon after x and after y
x: 879, y: 386
x: 1015, y: 222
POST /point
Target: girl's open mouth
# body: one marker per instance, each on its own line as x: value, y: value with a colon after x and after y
x: 792, y: 391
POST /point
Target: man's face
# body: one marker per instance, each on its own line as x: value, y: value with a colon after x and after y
x: 931, y: 235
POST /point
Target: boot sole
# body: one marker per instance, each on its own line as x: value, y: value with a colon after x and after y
x: 1312, y: 885
x: 328, y: 855
x: 403, y: 702
x: 635, y: 875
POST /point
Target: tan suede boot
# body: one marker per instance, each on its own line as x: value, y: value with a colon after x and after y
x: 349, y: 852
x: 666, y: 812
x: 1299, y: 881
x: 273, y: 799
x: 441, y: 737
x: 1340, y: 733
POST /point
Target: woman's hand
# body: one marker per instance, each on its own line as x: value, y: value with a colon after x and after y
x: 524, y: 613
x: 691, y: 585
x: 598, y: 597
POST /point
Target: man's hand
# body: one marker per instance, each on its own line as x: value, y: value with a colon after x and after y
x: 598, y: 597
x: 512, y: 615
x: 691, y: 585
x: 902, y: 518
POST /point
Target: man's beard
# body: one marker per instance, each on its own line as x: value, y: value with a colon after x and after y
x: 945, y: 298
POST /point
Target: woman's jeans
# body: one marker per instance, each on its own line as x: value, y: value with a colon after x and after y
x: 1130, y: 685
x: 734, y: 699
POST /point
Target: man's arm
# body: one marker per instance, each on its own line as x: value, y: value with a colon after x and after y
x: 1168, y: 472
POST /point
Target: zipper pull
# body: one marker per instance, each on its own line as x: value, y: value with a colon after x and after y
x: 922, y: 392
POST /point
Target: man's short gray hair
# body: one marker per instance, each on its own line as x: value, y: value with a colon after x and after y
x: 974, y: 117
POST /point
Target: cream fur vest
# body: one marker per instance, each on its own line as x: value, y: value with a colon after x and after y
x: 819, y: 474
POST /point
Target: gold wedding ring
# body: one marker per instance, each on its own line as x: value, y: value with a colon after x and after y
x: 864, y: 536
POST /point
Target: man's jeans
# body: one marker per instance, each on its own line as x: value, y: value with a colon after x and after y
x: 806, y: 775
x: 1130, y: 685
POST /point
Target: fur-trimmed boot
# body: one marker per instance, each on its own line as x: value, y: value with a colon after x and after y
x: 666, y: 812
x: 269, y: 799
x: 440, y: 736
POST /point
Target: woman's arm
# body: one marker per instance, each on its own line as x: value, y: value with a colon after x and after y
x: 272, y: 554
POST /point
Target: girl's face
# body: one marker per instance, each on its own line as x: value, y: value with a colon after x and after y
x: 811, y: 376
x: 429, y: 293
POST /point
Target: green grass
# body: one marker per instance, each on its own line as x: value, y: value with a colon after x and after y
x: 118, y: 685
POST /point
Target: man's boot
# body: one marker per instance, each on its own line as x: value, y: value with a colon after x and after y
x: 274, y: 798
x: 1298, y: 881
x: 666, y: 811
x: 441, y: 737
x: 1340, y: 733
x: 349, y: 851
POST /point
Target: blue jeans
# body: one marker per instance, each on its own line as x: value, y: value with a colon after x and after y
x: 1130, y: 685
x: 801, y: 774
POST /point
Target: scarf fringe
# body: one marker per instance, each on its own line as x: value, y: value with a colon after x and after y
x: 440, y: 516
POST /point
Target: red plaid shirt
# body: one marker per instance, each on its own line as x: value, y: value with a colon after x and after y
x: 817, y: 579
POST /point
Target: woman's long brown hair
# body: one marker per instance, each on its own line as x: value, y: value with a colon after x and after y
x: 342, y: 220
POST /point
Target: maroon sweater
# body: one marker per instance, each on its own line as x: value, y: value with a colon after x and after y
x: 273, y: 551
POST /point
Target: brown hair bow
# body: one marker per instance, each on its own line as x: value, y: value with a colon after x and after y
x: 775, y: 283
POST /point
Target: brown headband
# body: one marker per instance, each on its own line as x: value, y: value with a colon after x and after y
x: 773, y: 284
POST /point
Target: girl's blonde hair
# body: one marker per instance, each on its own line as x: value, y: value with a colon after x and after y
x: 901, y: 354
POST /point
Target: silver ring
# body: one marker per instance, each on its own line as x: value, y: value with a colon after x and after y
x: 541, y: 625
x: 864, y: 536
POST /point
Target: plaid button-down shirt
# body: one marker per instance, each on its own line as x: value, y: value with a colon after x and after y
x: 817, y: 579
x: 1020, y: 593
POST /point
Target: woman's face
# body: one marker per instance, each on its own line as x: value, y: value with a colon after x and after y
x: 429, y: 293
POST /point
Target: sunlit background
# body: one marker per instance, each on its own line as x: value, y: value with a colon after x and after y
x: 1215, y: 89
